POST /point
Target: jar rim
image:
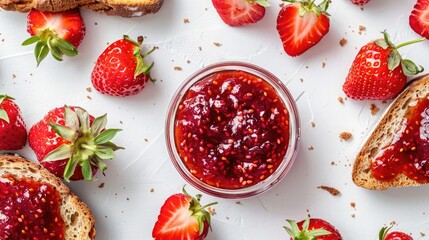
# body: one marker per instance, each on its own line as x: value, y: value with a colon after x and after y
x: 294, y: 130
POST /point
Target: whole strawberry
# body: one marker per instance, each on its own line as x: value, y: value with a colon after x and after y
x: 395, y: 235
x: 302, y: 24
x: 59, y: 33
x: 360, y: 2
x: 418, y: 19
x: 240, y: 12
x: 121, y: 70
x: 71, y: 144
x: 13, y: 134
x: 312, y: 229
x: 182, y: 217
x: 378, y: 71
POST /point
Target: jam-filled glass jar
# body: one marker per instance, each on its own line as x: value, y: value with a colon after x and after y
x: 232, y: 130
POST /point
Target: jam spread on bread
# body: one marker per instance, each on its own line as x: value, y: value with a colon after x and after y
x: 409, y: 151
x: 232, y: 129
x: 29, y: 210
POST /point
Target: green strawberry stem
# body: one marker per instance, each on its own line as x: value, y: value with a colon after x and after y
x: 141, y: 67
x: 48, y: 41
x: 263, y: 3
x: 305, y: 233
x: 87, y: 145
x: 395, y: 59
x: 383, y: 232
x: 310, y: 6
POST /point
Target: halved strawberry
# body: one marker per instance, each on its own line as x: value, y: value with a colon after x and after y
x: 302, y: 24
x: 419, y: 18
x: 240, y: 12
x: 182, y: 217
x: 59, y: 33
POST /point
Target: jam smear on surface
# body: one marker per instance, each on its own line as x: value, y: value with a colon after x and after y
x: 409, y: 151
x: 232, y: 130
x: 29, y: 210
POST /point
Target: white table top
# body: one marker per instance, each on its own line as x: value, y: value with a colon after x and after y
x: 126, y: 208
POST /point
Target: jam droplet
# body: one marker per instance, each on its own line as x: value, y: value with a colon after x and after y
x: 409, y: 151
x: 29, y: 210
x: 232, y: 130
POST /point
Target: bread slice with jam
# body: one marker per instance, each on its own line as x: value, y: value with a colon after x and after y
x: 396, y: 154
x: 124, y: 8
x: 36, y: 204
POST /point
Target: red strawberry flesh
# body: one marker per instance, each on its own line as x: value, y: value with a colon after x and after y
x: 239, y: 12
x: 419, y: 18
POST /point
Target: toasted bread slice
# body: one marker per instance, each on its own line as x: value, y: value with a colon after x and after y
x: 78, y: 219
x: 382, y: 136
x: 124, y: 8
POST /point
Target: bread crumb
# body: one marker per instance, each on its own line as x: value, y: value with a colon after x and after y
x: 374, y: 109
x: 345, y: 136
x: 96, y: 23
x: 13, y: 75
x: 88, y: 89
x: 301, y: 79
x: 422, y: 234
x: 146, y: 140
x: 313, y: 124
x: 282, y: 4
x: 311, y: 148
x: 238, y: 202
x: 333, y: 163
x: 152, y: 190
x: 217, y: 44
x: 331, y: 190
x: 227, y: 218
x: 200, y: 48
x: 89, y: 97
x: 188, y: 61
x: 128, y: 199
x: 353, y: 204
x: 343, y: 42
x: 101, y: 185
x: 211, y: 210
x: 362, y: 28
x: 177, y: 68
x: 185, y: 20
x: 323, y: 64
x: 341, y: 100
x: 353, y: 215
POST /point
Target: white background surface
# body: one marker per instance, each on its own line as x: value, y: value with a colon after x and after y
x: 126, y: 208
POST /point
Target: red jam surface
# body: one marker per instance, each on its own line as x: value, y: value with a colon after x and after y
x: 232, y: 130
x: 409, y: 151
x: 29, y: 210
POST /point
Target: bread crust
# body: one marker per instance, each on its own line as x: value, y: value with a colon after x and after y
x: 80, y: 223
x: 110, y: 7
x: 382, y: 135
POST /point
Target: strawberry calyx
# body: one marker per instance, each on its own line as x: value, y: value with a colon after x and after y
x: 305, y: 233
x: 141, y: 66
x: 307, y: 6
x: 197, y: 211
x: 383, y: 232
x: 87, y: 144
x: 3, y: 113
x: 263, y: 3
x: 409, y: 68
x: 47, y: 41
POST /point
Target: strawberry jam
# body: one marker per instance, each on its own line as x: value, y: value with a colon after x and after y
x: 231, y: 129
x: 409, y: 151
x: 29, y: 210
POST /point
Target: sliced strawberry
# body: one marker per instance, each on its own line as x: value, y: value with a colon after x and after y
x: 240, y: 12
x: 302, y: 24
x: 419, y: 18
x: 59, y: 33
x: 182, y: 217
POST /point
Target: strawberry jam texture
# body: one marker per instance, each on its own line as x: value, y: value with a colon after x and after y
x: 409, y: 151
x: 29, y: 210
x: 232, y: 130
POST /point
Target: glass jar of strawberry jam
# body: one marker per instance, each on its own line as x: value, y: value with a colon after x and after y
x: 232, y: 130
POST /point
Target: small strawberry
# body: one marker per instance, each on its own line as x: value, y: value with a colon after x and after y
x: 396, y: 235
x: 419, y: 18
x: 121, y: 70
x: 360, y: 2
x: 302, y: 24
x: 182, y: 217
x: 13, y: 134
x: 71, y: 144
x: 378, y: 71
x: 59, y: 33
x: 240, y: 12
x: 312, y: 229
